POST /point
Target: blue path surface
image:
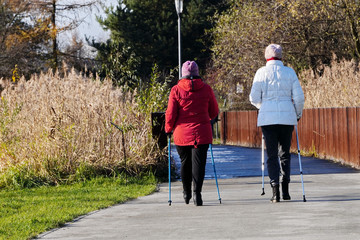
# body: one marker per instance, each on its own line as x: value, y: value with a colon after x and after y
x: 234, y: 162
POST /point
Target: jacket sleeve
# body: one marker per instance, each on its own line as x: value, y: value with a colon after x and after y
x: 171, y: 112
x: 213, y: 105
x: 298, y: 97
x: 255, y: 96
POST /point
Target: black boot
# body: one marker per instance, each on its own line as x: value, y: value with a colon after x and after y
x: 197, y: 199
x: 285, y: 191
x: 276, y: 193
x: 187, y: 196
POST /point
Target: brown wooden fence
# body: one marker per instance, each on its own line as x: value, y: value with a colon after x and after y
x: 329, y: 133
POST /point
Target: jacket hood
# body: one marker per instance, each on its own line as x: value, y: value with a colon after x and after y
x: 191, y: 85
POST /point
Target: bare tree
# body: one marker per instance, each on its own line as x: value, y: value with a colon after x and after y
x: 20, y: 40
x: 61, y: 15
x: 29, y: 31
x: 310, y: 31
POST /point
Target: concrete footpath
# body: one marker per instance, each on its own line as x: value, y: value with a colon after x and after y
x: 332, y: 211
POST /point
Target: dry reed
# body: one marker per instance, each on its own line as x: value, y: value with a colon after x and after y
x: 337, y: 86
x: 56, y: 129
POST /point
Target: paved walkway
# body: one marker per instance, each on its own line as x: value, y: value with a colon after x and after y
x: 332, y: 210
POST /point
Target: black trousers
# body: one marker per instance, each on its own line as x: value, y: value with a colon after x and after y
x: 193, y: 161
x: 278, y: 142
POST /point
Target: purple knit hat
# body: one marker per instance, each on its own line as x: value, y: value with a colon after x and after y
x: 190, y: 68
x: 273, y: 51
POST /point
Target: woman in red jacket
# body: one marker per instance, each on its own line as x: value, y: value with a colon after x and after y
x: 192, y: 104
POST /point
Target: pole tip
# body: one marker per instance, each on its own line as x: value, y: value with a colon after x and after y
x: 304, y: 199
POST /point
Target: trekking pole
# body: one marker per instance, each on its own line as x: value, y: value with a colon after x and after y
x: 169, y: 155
x: 213, y: 164
x: 262, y: 163
x: 301, y: 173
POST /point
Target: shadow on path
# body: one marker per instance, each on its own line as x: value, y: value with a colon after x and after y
x: 234, y: 162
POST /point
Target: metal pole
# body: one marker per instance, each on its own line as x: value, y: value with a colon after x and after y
x: 301, y: 172
x: 213, y: 164
x: 262, y: 162
x: 179, y: 42
x: 169, y: 170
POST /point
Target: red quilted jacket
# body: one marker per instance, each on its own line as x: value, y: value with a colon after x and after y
x: 192, y: 104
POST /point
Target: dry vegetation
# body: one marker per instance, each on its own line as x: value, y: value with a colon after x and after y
x: 57, y: 129
x: 337, y: 86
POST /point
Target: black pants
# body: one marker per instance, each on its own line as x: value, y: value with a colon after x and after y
x: 278, y: 142
x: 193, y: 161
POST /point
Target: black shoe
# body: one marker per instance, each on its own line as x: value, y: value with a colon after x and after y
x: 187, y: 196
x: 276, y: 193
x: 197, y: 199
x: 285, y: 191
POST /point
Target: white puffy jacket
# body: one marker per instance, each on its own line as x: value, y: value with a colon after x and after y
x: 276, y: 91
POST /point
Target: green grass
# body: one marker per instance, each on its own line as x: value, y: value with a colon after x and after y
x: 217, y: 141
x: 26, y: 213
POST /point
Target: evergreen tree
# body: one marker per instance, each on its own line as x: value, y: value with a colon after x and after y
x: 147, y: 29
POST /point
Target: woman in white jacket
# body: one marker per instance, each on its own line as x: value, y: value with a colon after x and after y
x: 276, y: 91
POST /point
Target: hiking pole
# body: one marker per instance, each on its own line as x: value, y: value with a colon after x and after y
x: 301, y: 173
x: 169, y: 155
x: 213, y: 164
x: 262, y: 163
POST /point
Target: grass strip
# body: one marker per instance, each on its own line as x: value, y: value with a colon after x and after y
x: 26, y: 213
